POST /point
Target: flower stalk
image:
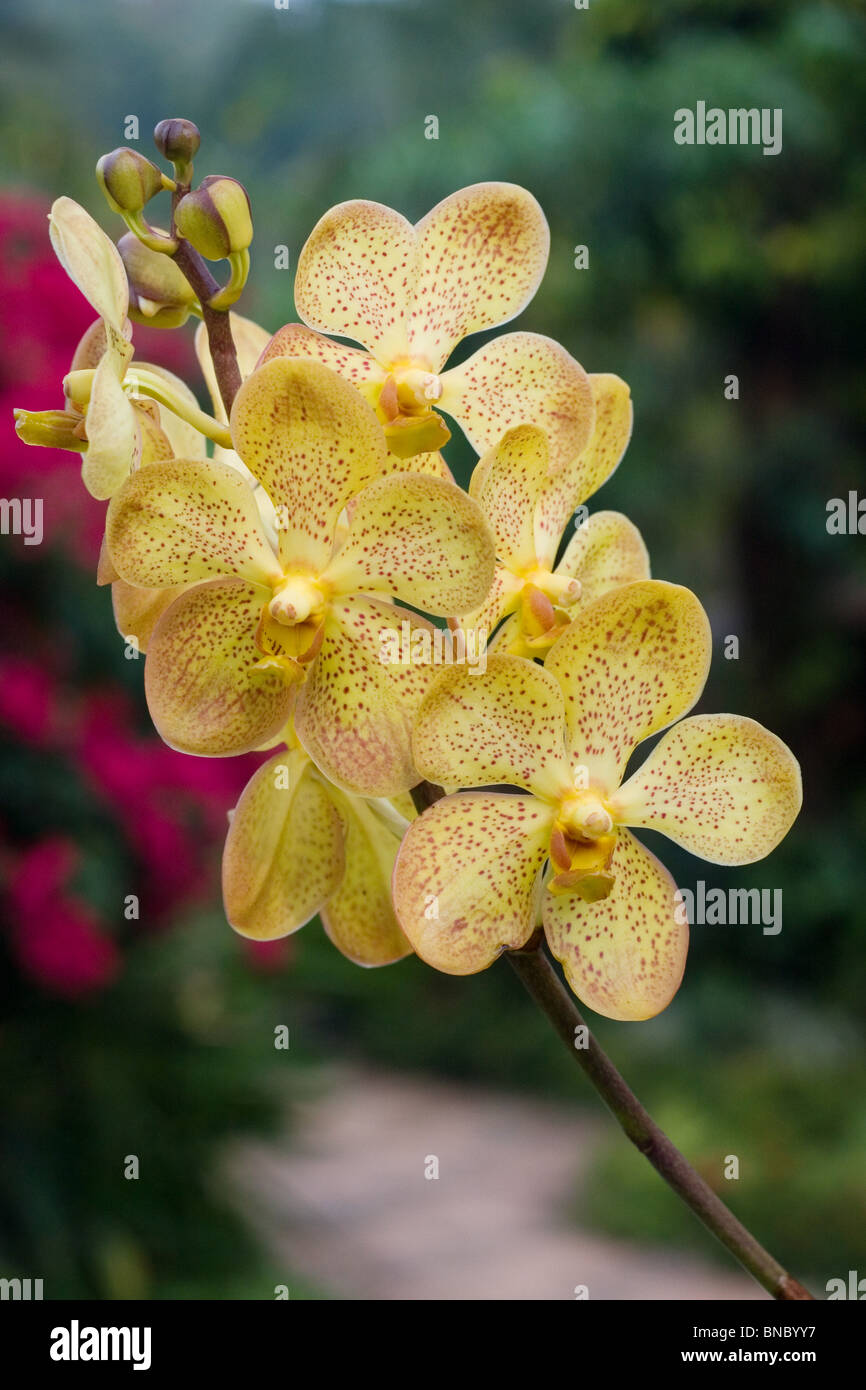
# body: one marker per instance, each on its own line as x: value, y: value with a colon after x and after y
x: 216, y: 322
x: 534, y: 968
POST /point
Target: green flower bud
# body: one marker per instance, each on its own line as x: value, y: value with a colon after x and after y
x: 128, y: 180
x: 215, y: 218
x: 159, y: 293
x: 177, y: 139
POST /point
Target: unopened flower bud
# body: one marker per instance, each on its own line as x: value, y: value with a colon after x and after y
x: 159, y: 293
x: 178, y: 140
x: 128, y: 180
x: 215, y: 217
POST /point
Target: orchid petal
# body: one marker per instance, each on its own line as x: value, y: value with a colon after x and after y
x: 359, y: 917
x: 137, y: 611
x: 585, y: 472
x: 433, y: 464
x: 92, y: 262
x: 419, y: 538
x: 313, y: 442
x: 624, y: 955
x: 296, y: 340
x: 507, y: 483
x: 483, y: 252
x: 720, y: 785
x: 90, y: 348
x: 522, y: 379
x: 114, y: 441
x: 355, y: 709
x: 604, y: 553
x: 631, y: 662
x: 356, y: 276
x: 155, y: 444
x: 202, y: 690
x: 465, y: 881
x: 501, y: 597
x: 186, y: 520
x: 284, y: 852
x: 505, y: 724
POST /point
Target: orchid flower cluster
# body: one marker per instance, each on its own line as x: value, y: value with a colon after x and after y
x: 262, y: 555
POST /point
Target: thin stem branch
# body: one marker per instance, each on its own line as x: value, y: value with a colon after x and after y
x: 216, y: 321
x: 535, y: 969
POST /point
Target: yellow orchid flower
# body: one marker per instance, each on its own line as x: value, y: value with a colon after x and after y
x: 298, y: 846
x: 529, y: 507
x: 119, y: 414
x: 106, y: 429
x: 409, y: 295
x: 468, y: 882
x: 136, y: 610
x: 261, y: 624
x: 167, y: 435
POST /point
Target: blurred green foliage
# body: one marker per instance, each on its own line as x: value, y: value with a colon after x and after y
x: 703, y: 261
x: 167, y: 1065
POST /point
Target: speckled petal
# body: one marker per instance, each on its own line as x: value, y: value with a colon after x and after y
x: 434, y: 464
x: 155, y: 444
x: 137, y: 611
x: 202, y: 692
x: 631, y: 662
x: 313, y: 442
x: 502, y: 725
x: 355, y: 710
x: 420, y: 539
x: 465, y: 881
x: 604, y: 553
x: 501, y: 596
x: 185, y: 520
x: 284, y: 853
x: 353, y: 364
x: 112, y: 431
x: 356, y: 276
x: 359, y: 917
x: 522, y: 379
x: 587, y: 470
x: 483, y: 251
x: 720, y: 785
x: 506, y: 484
x: 623, y: 956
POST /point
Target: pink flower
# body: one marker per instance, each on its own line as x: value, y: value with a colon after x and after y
x: 56, y: 936
x: 27, y: 698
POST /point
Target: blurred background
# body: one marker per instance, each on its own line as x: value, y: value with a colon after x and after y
x: 153, y: 1035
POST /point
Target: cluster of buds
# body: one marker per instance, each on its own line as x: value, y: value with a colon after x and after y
x: 211, y: 221
x: 271, y: 581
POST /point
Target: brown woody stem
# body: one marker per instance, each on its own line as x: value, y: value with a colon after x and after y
x: 535, y: 969
x: 216, y: 321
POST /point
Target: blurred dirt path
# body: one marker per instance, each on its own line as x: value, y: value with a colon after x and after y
x: 346, y: 1203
